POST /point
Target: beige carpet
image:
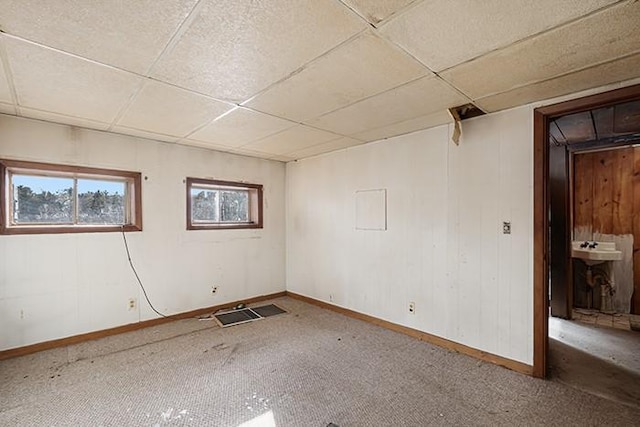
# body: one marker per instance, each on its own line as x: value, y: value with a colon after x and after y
x: 309, y: 367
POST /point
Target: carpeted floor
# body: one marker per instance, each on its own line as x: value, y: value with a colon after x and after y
x: 309, y: 367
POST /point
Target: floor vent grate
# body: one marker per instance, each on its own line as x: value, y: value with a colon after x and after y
x: 244, y: 315
x: 268, y: 310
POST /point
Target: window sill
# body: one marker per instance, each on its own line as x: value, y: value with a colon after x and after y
x: 48, y: 229
x: 223, y: 226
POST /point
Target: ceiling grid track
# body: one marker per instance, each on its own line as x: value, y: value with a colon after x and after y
x: 4, y: 58
x: 557, y: 76
x: 266, y: 79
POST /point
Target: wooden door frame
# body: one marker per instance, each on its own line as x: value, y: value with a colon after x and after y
x: 541, y: 118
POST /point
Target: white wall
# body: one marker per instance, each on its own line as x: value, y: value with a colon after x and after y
x: 53, y: 286
x: 443, y: 249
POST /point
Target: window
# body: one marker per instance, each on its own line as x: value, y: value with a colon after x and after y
x: 48, y: 198
x: 223, y: 205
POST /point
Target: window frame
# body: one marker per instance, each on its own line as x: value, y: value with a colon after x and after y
x: 255, y: 204
x: 133, y: 195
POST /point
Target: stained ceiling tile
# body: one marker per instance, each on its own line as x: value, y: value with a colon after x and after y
x: 144, y: 134
x: 234, y: 49
x: 61, y: 118
x: 292, y: 139
x: 126, y: 34
x: 171, y: 111
x: 281, y: 158
x: 251, y: 153
x: 598, y: 38
x: 7, y: 108
x: 444, y: 33
x: 202, y: 144
x: 239, y: 127
x: 603, y: 119
x: 325, y: 147
x: 577, y: 127
x: 419, y: 98
x: 555, y: 135
x: 626, y: 117
x: 363, y: 67
x: 375, y: 11
x: 423, y: 122
x: 52, y: 81
x: 223, y: 148
x: 600, y: 75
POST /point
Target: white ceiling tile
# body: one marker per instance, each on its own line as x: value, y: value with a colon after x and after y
x: 292, y: 139
x: 234, y: 49
x: 325, y: 147
x: 600, y: 75
x: 61, y: 118
x: 407, y: 126
x: 52, y: 81
x: 7, y: 108
x: 126, y: 34
x: 239, y: 127
x: 444, y: 33
x: 144, y: 134
x: 419, y: 98
x: 375, y: 11
x: 168, y: 110
x: 598, y: 38
x: 363, y: 67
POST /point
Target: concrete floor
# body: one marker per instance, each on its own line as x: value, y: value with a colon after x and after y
x: 599, y: 360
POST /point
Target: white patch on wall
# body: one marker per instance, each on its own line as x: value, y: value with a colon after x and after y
x: 371, y: 209
x: 622, y: 270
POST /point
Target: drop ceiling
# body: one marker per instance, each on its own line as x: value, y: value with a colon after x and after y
x: 284, y: 79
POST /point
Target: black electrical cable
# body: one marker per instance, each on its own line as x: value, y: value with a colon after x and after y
x: 126, y: 246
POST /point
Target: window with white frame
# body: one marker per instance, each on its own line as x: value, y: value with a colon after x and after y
x: 213, y: 204
x: 49, y: 198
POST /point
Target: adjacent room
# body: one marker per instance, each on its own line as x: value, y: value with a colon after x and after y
x: 319, y: 212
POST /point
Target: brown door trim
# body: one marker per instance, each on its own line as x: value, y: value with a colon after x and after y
x: 541, y: 118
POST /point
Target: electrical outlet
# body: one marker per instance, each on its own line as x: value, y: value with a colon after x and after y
x: 214, y: 289
x: 412, y: 307
x: 132, y: 303
x: 506, y: 227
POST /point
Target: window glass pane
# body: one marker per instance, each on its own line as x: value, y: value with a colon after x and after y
x: 205, y: 205
x: 101, y: 202
x: 234, y: 206
x: 42, y: 199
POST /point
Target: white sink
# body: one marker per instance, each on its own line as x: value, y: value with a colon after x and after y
x: 603, y: 251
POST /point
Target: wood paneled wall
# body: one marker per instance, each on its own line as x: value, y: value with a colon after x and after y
x: 607, y: 199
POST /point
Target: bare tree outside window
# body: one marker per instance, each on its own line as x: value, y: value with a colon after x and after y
x: 101, y: 202
x: 43, y: 198
x: 205, y: 205
x: 222, y: 204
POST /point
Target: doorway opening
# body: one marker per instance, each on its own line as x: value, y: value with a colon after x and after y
x: 587, y: 216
